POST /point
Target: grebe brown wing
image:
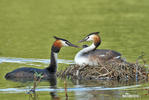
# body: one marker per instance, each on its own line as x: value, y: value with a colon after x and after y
x: 106, y: 51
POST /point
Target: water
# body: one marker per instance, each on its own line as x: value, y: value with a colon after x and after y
x: 32, y: 60
x: 76, y: 89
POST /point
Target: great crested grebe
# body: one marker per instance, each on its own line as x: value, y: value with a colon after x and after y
x: 27, y: 72
x: 89, y: 55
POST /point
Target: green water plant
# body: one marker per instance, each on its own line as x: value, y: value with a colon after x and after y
x: 65, y: 86
x: 33, y: 96
x: 36, y: 81
x: 138, y: 60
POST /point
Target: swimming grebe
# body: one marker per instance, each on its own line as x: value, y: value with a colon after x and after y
x: 27, y: 72
x: 89, y: 55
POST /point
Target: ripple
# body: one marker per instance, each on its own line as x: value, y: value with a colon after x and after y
x: 31, y: 60
x: 46, y: 89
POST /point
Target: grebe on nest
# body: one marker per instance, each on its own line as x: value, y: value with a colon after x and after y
x: 27, y: 72
x: 89, y: 55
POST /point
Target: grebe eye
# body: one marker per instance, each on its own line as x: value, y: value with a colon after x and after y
x: 87, y: 37
x: 67, y: 42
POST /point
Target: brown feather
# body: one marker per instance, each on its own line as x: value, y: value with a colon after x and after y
x: 58, y: 43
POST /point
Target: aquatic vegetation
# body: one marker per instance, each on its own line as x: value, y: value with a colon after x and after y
x: 65, y: 86
x: 147, y: 91
x: 37, y: 79
x: 32, y: 91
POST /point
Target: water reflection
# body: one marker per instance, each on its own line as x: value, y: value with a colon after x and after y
x: 53, y: 94
x: 105, y: 83
x: 53, y: 85
x: 109, y: 89
x: 33, y: 94
x: 85, y: 90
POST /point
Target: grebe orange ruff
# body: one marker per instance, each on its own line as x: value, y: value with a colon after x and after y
x: 89, y: 55
x: 27, y: 72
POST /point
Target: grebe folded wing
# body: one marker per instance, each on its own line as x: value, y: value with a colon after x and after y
x: 104, y: 53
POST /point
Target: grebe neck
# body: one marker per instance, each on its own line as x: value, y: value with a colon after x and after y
x: 87, y: 49
x: 94, y: 45
x: 97, y: 41
x: 79, y: 58
x: 53, y: 63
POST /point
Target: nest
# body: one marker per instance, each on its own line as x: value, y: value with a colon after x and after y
x: 109, y: 70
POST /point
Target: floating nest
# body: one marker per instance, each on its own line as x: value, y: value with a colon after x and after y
x: 109, y: 70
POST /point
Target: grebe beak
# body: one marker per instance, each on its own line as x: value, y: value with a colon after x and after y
x: 82, y: 40
x: 72, y: 45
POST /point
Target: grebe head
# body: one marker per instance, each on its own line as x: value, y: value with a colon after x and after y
x: 63, y: 43
x: 91, y: 37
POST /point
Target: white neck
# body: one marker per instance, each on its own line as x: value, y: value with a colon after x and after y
x: 79, y: 59
x: 87, y: 49
x: 55, y: 56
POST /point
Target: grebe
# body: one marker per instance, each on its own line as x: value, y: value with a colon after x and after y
x: 27, y: 72
x: 89, y: 55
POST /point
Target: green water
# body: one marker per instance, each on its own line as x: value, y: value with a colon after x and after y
x: 27, y: 28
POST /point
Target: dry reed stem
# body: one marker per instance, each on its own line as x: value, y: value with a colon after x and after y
x: 113, y: 69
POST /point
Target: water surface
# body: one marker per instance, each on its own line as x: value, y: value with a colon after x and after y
x: 76, y: 89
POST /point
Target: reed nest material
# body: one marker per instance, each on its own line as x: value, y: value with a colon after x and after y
x: 113, y: 69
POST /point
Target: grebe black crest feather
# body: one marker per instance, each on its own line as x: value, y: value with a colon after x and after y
x: 93, y: 33
x: 57, y: 38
